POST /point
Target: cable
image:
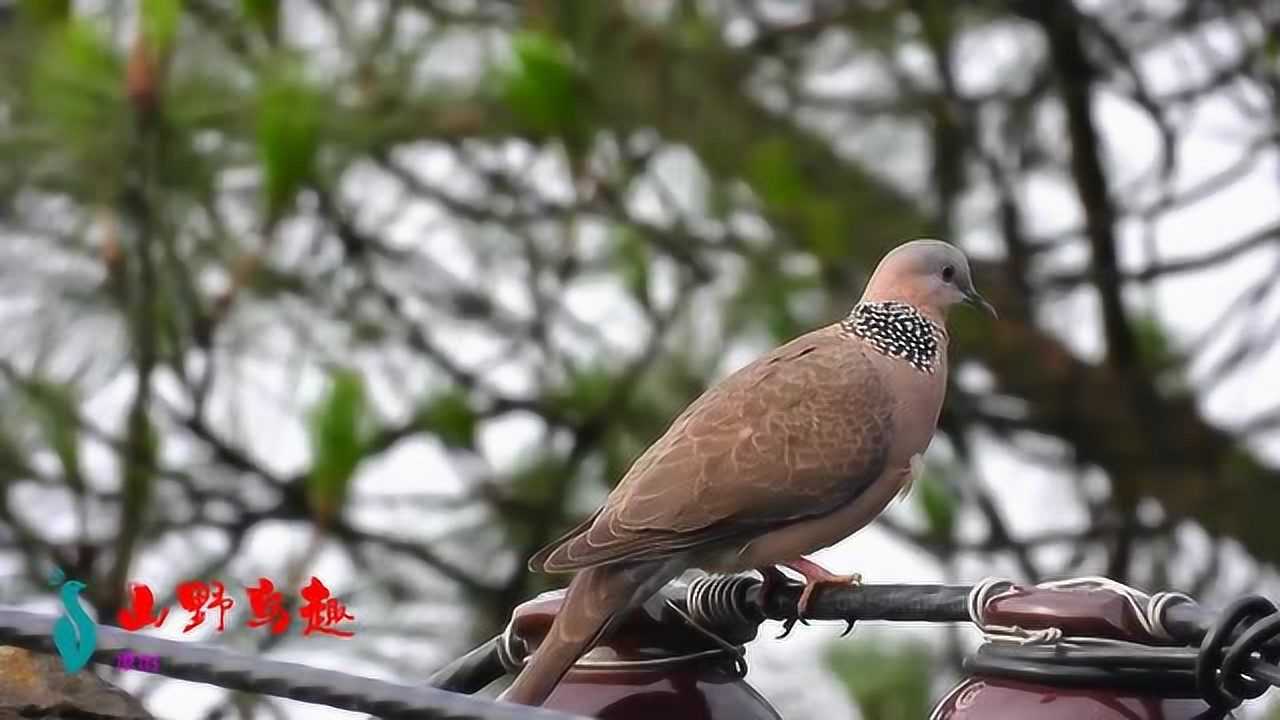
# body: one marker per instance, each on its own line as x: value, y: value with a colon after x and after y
x: 472, y: 672
x: 1224, y: 658
x: 202, y: 663
x: 1224, y: 685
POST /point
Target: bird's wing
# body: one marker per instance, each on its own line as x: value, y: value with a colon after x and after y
x: 796, y: 434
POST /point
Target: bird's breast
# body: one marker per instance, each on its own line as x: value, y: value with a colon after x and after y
x: 918, y: 400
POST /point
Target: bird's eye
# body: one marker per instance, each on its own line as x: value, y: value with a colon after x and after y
x: 948, y: 272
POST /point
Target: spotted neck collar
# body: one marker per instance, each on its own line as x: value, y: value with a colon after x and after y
x: 899, y: 331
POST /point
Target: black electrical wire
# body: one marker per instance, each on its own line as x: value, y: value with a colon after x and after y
x: 472, y: 672
x: 1221, y: 668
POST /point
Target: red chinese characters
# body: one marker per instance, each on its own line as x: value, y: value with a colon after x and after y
x: 323, y: 612
x: 267, y: 604
x: 140, y: 611
x: 195, y: 597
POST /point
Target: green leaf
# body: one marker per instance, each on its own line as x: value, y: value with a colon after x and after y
x: 139, y: 465
x: 337, y: 443
x: 290, y: 115
x: 585, y: 393
x: 1159, y: 354
x: 770, y: 299
x: 825, y: 230
x: 265, y: 14
x: 77, y: 98
x: 44, y: 13
x: 888, y: 682
x: 13, y: 457
x: 772, y: 171
x: 1153, y: 342
x: 538, y: 483
x: 937, y: 503
x: 160, y: 22
x: 451, y: 418
x: 56, y: 408
x: 542, y: 86
x: 632, y: 258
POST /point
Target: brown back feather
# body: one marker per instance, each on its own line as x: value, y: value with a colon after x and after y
x: 798, y: 433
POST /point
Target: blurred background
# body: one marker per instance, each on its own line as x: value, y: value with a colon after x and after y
x: 391, y: 292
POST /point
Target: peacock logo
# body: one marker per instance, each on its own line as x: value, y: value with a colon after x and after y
x: 75, y: 634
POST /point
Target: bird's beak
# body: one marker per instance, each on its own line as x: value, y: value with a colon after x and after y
x: 973, y: 298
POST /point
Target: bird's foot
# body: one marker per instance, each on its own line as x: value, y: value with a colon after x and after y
x: 770, y: 579
x: 787, y: 626
x: 815, y: 576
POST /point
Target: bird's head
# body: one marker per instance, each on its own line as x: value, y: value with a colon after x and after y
x: 930, y: 275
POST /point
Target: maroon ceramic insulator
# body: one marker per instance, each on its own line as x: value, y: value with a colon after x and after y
x: 690, y: 693
x: 980, y: 698
x: 651, y: 665
x: 1100, y: 613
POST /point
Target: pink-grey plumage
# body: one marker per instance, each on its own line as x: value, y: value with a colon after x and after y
x: 788, y: 455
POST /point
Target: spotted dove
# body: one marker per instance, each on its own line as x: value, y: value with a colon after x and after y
x: 788, y: 455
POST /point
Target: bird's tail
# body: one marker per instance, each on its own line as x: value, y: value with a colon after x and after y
x: 597, y: 597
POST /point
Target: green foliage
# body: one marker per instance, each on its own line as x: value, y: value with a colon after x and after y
x: 647, y: 413
x: 43, y: 13
x: 585, y: 393
x: 337, y: 443
x: 538, y: 481
x: 13, y: 456
x: 451, y: 418
x: 77, y: 101
x: 290, y: 115
x: 139, y: 462
x: 887, y: 681
x: 777, y: 177
x: 1240, y: 463
x: 632, y: 258
x: 536, y: 484
x: 769, y: 298
x: 271, y: 283
x: 1158, y: 353
x: 543, y: 89
x: 1154, y: 344
x: 54, y: 404
x: 826, y: 228
x: 579, y: 24
x: 937, y: 503
x: 160, y: 22
x: 772, y: 172
x: 265, y: 14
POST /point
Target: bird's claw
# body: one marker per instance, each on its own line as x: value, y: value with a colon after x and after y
x: 770, y: 579
x: 812, y: 583
x: 814, y: 576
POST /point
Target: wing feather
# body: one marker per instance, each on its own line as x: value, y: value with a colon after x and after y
x: 796, y: 434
